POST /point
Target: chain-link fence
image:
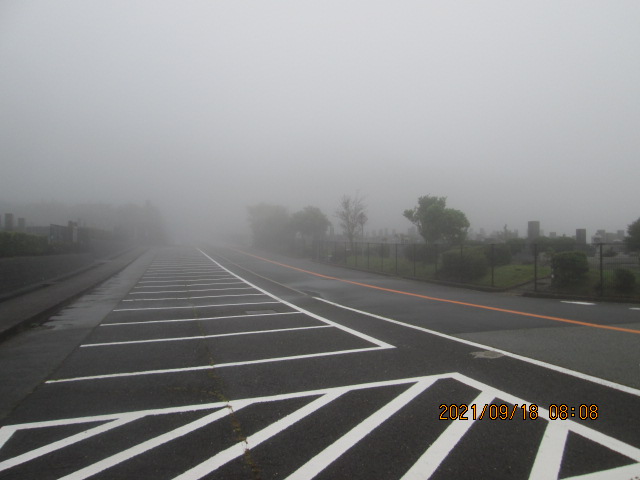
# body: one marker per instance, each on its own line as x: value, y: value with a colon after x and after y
x: 601, y: 270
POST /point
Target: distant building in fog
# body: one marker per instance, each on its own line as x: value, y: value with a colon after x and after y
x: 533, y: 230
x: 8, y: 222
x: 581, y: 236
x: 602, y: 236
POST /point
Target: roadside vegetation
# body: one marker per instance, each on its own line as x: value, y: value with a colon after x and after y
x: 18, y: 244
x: 14, y: 244
x: 130, y: 224
x: 554, y: 265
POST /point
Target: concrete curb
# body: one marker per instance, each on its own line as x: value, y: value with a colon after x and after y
x: 583, y: 298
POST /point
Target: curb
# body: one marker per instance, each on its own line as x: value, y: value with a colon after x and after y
x: 560, y: 296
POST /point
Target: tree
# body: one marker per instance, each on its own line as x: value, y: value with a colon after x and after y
x: 352, y: 214
x: 270, y: 226
x: 555, y: 245
x: 632, y: 241
x: 436, y: 222
x: 310, y: 222
x: 569, y: 267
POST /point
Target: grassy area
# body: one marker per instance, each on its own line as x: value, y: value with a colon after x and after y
x: 388, y: 265
x: 392, y: 260
x: 505, y: 276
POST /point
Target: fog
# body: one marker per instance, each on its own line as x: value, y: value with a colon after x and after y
x: 515, y: 111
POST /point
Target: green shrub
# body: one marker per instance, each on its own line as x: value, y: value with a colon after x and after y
x: 380, y: 250
x: 516, y: 245
x: 499, y: 252
x: 624, y: 281
x: 569, y: 267
x: 338, y: 253
x: 18, y: 244
x: 465, y: 266
x: 421, y: 253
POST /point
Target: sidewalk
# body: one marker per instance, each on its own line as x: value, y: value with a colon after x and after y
x: 35, y: 305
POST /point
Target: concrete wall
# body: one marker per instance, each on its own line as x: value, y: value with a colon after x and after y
x: 21, y: 272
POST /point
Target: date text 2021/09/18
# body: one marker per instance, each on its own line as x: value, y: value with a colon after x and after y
x: 525, y: 411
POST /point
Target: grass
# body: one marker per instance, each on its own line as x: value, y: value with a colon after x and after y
x: 508, y: 276
x: 505, y: 276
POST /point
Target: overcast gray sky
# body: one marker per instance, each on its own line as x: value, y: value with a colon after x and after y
x: 514, y: 110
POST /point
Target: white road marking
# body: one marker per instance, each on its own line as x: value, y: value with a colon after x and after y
x: 256, y: 439
x: 145, y: 446
x: 430, y: 460
x: 182, y: 271
x: 208, y: 277
x: 5, y: 434
x: 192, y: 297
x: 190, y: 285
x: 577, y: 303
x: 177, y: 277
x: 582, y: 376
x: 198, y: 319
x: 549, y: 457
x: 197, y: 262
x: 65, y: 442
x: 630, y: 472
x: 379, y: 344
x: 214, y: 405
x: 344, y: 443
x: 192, y: 306
x: 368, y: 338
x: 180, y: 265
x: 201, y: 337
x: 220, y: 365
x: 187, y: 268
x: 198, y: 290
x: 552, y: 442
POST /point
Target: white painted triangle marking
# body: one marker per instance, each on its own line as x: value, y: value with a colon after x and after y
x: 256, y: 439
x: 438, y: 451
x: 628, y: 472
x: 65, y: 442
x: 344, y: 443
x: 549, y: 458
x: 148, y: 445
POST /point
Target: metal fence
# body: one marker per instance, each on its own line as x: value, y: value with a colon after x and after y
x: 600, y: 270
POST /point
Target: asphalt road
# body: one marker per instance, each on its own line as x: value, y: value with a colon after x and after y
x: 218, y: 363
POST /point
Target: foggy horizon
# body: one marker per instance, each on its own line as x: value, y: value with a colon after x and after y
x: 512, y: 111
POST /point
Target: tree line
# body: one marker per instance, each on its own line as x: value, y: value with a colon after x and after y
x: 273, y: 227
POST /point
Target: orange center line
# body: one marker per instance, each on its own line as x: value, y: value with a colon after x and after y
x: 436, y: 299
